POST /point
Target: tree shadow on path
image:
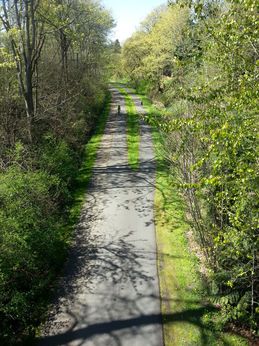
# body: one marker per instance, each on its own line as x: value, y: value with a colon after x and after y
x: 191, y: 316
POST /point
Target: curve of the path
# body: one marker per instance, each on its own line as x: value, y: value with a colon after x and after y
x: 110, y: 290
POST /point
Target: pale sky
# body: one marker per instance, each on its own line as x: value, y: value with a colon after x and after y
x: 128, y: 14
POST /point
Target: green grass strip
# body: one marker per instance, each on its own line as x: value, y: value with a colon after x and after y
x: 133, y: 128
x: 188, y: 316
x: 85, y: 172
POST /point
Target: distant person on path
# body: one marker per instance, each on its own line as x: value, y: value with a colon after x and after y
x: 141, y: 102
x: 119, y: 109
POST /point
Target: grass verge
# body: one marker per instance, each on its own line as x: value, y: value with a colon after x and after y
x: 133, y: 128
x: 188, y: 316
x: 89, y: 157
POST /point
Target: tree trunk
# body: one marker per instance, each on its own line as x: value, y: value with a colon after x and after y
x: 26, y: 51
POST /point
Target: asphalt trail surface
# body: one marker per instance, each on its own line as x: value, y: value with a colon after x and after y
x: 109, y: 294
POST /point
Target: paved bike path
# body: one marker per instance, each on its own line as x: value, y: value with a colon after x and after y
x: 109, y: 294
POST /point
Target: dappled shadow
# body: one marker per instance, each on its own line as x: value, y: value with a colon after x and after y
x: 111, y: 272
x: 114, y: 329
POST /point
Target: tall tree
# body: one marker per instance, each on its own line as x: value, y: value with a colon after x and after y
x: 26, y: 35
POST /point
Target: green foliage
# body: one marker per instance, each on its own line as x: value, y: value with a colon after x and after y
x: 190, y: 317
x: 210, y: 89
x: 54, y: 69
x: 57, y: 158
x: 31, y: 246
x: 6, y: 60
x: 147, y: 56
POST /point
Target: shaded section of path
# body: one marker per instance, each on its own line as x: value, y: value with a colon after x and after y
x: 109, y: 294
x: 134, y: 322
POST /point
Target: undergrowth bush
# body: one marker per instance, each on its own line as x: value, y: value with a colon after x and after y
x: 31, y: 246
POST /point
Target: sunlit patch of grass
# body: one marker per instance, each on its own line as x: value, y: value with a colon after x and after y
x: 133, y: 128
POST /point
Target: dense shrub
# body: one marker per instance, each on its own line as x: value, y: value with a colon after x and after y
x: 31, y: 245
x: 57, y: 158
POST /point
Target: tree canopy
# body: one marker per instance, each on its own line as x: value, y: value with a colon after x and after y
x: 199, y: 59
